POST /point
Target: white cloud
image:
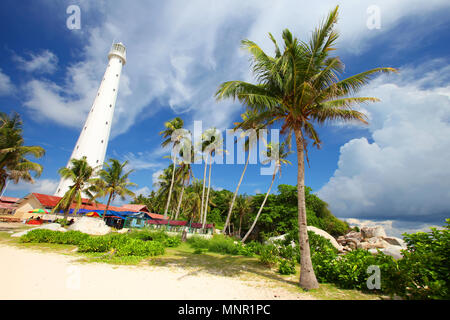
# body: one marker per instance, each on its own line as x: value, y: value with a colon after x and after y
x: 178, y: 53
x: 403, y: 172
x: 45, y: 62
x: 6, y: 86
x: 45, y: 186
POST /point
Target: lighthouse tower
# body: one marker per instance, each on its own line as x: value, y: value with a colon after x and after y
x: 93, y: 139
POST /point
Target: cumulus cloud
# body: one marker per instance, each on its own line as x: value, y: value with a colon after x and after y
x: 402, y: 171
x: 6, y: 86
x: 44, y: 62
x: 178, y: 53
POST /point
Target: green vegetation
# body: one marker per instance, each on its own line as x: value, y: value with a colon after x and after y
x: 299, y: 88
x: 14, y: 166
x: 113, y: 182
x: 82, y: 176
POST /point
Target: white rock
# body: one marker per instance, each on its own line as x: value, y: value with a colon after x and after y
x: 123, y: 230
x: 48, y: 226
x: 93, y: 226
x: 370, y: 232
x: 326, y: 235
x: 395, y: 241
x: 394, y: 251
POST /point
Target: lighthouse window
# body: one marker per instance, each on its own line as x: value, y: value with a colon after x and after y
x: 102, y: 142
x: 114, y: 89
x: 106, y: 122
x: 110, y: 105
x: 97, y: 161
x: 85, y: 128
x: 117, y: 75
x: 98, y: 94
x: 78, y: 147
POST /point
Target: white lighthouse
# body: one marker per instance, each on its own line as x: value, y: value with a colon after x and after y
x: 93, y: 139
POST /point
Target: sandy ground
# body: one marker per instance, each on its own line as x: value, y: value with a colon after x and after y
x: 30, y: 274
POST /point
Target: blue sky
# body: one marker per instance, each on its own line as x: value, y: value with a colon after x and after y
x: 394, y: 171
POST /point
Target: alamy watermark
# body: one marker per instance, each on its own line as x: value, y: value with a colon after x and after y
x: 73, y: 21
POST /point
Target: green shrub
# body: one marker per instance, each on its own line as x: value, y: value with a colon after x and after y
x: 286, y: 267
x: 254, y: 246
x: 136, y: 247
x: 269, y: 255
x: 221, y: 244
x: 424, y: 271
x: 172, y: 242
x: 95, y: 244
x: 38, y: 236
x: 197, y: 242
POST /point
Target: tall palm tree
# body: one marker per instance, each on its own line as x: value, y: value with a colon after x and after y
x: 300, y: 87
x: 248, y: 145
x: 243, y: 206
x: 14, y: 165
x: 174, y: 133
x: 278, y: 154
x: 212, y: 144
x: 82, y: 176
x: 113, y: 181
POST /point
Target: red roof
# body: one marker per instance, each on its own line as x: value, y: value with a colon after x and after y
x: 51, y: 201
x: 136, y: 207
x: 155, y: 215
x: 8, y: 199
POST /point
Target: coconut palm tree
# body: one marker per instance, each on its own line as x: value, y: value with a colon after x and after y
x: 298, y: 88
x: 113, y: 182
x: 174, y: 133
x: 243, y: 207
x: 212, y: 143
x: 82, y: 176
x: 278, y: 154
x: 14, y: 165
x: 248, y: 145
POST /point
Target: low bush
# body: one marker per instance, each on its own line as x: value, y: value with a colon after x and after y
x: 269, y: 255
x: 136, y: 247
x: 286, y: 267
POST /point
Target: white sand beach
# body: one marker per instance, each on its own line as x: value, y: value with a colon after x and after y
x: 31, y: 274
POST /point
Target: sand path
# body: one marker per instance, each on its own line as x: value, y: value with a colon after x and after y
x: 30, y: 274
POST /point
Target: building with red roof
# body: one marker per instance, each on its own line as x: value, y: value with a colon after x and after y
x: 8, y: 205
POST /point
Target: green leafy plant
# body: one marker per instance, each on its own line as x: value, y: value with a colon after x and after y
x: 286, y: 267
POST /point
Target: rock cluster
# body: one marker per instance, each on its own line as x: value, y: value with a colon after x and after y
x: 372, y: 239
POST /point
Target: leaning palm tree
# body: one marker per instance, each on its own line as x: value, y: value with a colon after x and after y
x: 243, y: 206
x: 174, y: 133
x: 298, y: 88
x: 212, y: 144
x: 82, y: 176
x: 14, y: 166
x: 276, y: 154
x: 113, y: 182
x: 248, y: 145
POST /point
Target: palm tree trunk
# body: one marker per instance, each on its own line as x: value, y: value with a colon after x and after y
x: 107, y: 206
x: 308, y: 278
x: 179, y: 203
x: 260, y: 208
x: 240, y: 225
x: 207, y: 195
x: 235, y: 194
x: 203, y: 190
x: 171, y: 186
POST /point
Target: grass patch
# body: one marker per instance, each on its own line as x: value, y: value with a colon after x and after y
x: 328, y: 291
